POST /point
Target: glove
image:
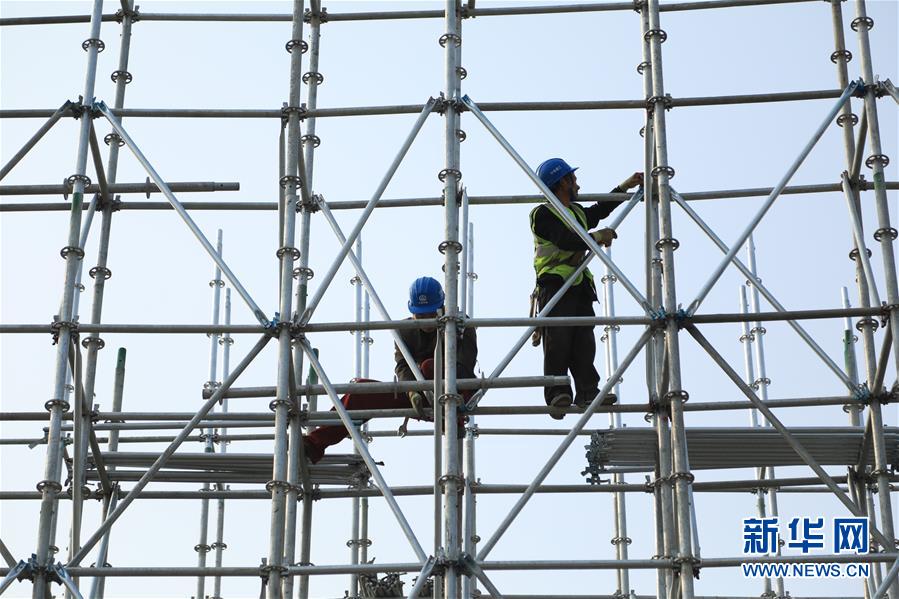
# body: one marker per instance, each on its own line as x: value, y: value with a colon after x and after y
x: 419, y: 404
x: 604, y: 237
x: 632, y: 181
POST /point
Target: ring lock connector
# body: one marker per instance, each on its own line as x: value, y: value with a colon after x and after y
x: 851, y: 117
x: 304, y: 271
x: 294, y: 44
x: 449, y: 244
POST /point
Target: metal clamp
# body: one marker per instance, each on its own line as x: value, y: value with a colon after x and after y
x: 287, y: 110
x: 461, y: 72
x: 278, y: 484
x: 676, y: 394
x: 211, y: 385
x: 315, y: 139
x: 291, y: 181
x: 610, y: 277
x: 448, y: 397
x: 457, y: 478
x: 287, y: 249
x: 851, y: 117
x: 853, y: 255
x: 116, y: 74
x: 93, y: 41
x: 621, y: 540
x: 202, y: 548
x: 757, y: 383
x: 53, y: 403
x: 868, y: 22
x: 313, y: 75
x: 104, y: 272
x: 322, y: 17
x: 461, y: 135
x: 71, y: 249
x: 449, y: 244
x: 881, y: 159
x: 57, y: 325
x: 304, y: 272
x: 674, y: 476
x: 845, y: 55
x: 662, y: 169
x: 88, y: 341
x: 218, y: 545
x: 216, y: 283
x: 660, y: 33
x: 113, y: 137
x: 641, y: 68
x: 133, y: 14
x: 652, y: 100
x: 51, y: 485
x: 888, y: 231
x: 226, y: 341
x: 289, y: 46
x: 70, y: 181
x: 667, y: 241
x: 758, y: 331
x: 744, y: 338
x: 457, y: 39
x: 865, y: 322
x: 449, y: 171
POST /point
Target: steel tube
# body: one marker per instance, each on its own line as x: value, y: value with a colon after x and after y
x: 113, y: 188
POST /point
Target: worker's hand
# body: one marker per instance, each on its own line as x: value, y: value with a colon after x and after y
x: 632, y: 181
x: 604, y: 237
x: 419, y: 404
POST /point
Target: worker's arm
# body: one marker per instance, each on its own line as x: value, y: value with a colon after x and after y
x: 599, y: 211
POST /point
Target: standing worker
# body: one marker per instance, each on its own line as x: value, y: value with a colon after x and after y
x: 557, y: 253
x: 425, y: 302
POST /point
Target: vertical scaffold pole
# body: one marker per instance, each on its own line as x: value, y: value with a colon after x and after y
x: 50, y: 487
x: 610, y: 339
x: 470, y: 538
x: 358, y: 341
x: 226, y: 342
x: 451, y: 176
x: 676, y: 396
x: 761, y: 382
x: 303, y: 274
x: 98, y: 588
x: 655, y: 367
x: 202, y: 547
x: 886, y: 235
x: 280, y: 486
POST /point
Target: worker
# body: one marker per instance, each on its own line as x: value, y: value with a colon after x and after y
x: 557, y: 253
x: 426, y: 301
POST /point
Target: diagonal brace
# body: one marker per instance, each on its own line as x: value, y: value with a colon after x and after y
x: 422, y: 577
x: 756, y: 281
x: 570, y: 221
x: 473, y: 568
x: 167, y: 192
x: 787, y: 435
x: 859, y: 237
x: 735, y: 247
x: 36, y: 137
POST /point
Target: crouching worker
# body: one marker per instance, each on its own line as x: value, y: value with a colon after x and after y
x: 426, y: 299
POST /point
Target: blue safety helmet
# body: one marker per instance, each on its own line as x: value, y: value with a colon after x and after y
x: 553, y: 170
x: 425, y: 296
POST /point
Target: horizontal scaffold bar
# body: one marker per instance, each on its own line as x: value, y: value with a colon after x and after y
x: 145, y: 188
x: 400, y: 14
x: 436, y: 201
x: 556, y: 321
x: 271, y: 113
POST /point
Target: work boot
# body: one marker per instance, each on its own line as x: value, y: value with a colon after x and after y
x: 558, y: 404
x: 582, y: 400
x: 314, y: 451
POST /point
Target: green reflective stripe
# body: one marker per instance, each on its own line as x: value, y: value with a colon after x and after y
x: 550, y: 259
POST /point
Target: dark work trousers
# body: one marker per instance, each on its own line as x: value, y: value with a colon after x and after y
x: 569, y: 348
x: 325, y: 436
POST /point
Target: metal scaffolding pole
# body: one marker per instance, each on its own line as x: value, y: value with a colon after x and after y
x: 452, y: 481
x: 72, y: 254
x: 219, y: 545
x: 675, y: 397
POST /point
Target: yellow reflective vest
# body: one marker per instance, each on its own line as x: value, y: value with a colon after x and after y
x: 550, y: 259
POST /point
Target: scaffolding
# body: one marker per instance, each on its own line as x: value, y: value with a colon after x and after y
x: 83, y: 462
